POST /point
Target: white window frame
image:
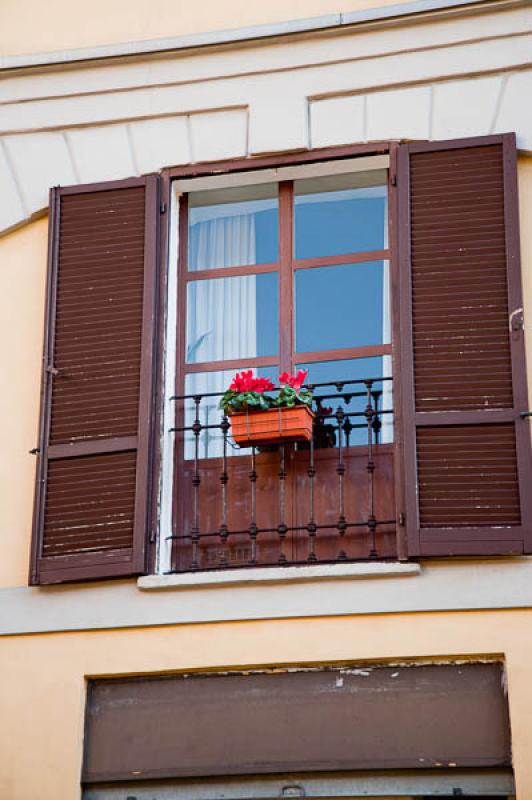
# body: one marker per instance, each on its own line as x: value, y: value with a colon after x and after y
x: 178, y: 188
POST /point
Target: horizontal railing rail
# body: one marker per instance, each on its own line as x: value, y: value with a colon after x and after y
x: 349, y: 419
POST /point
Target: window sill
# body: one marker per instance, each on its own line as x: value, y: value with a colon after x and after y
x: 277, y: 575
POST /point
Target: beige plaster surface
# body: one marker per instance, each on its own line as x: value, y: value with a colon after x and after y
x: 36, y: 27
x: 43, y: 678
x: 22, y: 290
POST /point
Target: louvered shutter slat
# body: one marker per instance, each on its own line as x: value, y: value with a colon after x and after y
x: 93, y: 482
x: 463, y: 382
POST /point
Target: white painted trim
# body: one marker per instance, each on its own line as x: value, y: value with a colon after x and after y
x: 387, y: 14
x: 360, y: 164
x: 164, y: 549
x: 274, y: 575
x: 4, y: 150
x: 450, y: 585
x: 385, y: 82
x: 166, y: 497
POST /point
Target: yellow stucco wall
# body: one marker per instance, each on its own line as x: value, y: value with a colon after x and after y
x: 43, y: 678
x: 36, y: 27
x: 22, y: 290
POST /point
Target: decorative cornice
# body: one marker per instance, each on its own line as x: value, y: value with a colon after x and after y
x: 468, y: 77
x: 386, y: 15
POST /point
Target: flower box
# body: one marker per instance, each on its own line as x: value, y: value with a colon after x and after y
x: 272, y: 426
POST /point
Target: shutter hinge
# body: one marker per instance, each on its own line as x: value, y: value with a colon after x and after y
x: 393, y: 180
x: 402, y: 519
x: 52, y: 370
x: 34, y: 451
x: 152, y: 537
x: 526, y: 414
x: 162, y: 208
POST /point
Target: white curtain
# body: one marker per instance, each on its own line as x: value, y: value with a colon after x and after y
x: 223, y: 241
x: 221, y: 314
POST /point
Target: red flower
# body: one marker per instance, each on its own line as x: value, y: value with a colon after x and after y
x: 295, y: 381
x: 246, y: 382
x: 241, y: 381
x: 263, y: 385
x: 300, y: 379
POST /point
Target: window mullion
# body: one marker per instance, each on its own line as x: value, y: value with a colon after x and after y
x: 286, y: 282
x: 182, y: 263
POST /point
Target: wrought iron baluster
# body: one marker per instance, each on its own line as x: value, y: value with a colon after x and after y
x: 370, y: 415
x: 196, y: 482
x: 224, y: 477
x: 311, y: 527
x: 282, y: 528
x: 348, y: 427
x: 347, y: 418
x: 253, y: 522
x: 340, y: 471
x: 377, y: 422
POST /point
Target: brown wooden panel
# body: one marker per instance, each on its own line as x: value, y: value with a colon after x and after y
x: 462, y: 360
x: 91, y: 499
x: 90, y: 504
x: 236, y: 550
x: 471, y: 380
x: 98, y: 397
x: 377, y: 717
x: 464, y: 481
x: 278, y: 160
x: 356, y: 543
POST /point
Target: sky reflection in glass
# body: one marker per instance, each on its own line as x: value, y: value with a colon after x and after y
x: 339, y: 220
x: 355, y: 369
x: 342, y: 306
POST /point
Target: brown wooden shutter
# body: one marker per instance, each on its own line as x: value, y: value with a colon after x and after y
x: 93, y: 475
x: 467, y: 454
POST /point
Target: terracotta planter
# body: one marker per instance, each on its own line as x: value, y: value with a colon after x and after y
x: 272, y: 426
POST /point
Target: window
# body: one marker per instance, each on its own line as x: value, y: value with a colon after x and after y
x: 248, y: 305
x: 285, y: 266
x: 274, y: 277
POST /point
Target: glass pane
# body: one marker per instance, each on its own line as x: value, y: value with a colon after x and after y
x: 233, y: 227
x: 342, y: 306
x: 352, y: 397
x: 230, y: 318
x: 340, y: 214
x: 211, y: 439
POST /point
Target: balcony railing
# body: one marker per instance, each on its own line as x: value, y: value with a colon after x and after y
x: 324, y: 501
